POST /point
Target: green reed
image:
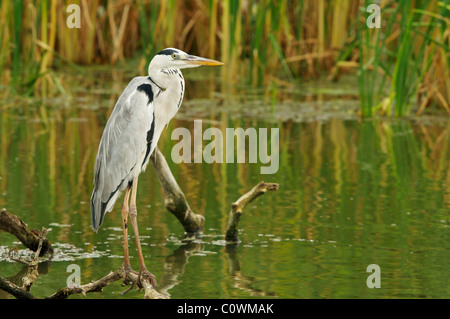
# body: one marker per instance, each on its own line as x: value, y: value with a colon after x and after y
x: 391, y: 74
x: 16, y: 48
x: 402, y: 64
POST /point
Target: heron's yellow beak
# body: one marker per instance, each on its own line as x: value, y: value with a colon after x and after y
x: 196, y: 60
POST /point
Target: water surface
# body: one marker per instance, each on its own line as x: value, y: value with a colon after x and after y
x: 352, y: 193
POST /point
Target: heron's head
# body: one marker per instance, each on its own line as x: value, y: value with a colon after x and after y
x: 171, y: 58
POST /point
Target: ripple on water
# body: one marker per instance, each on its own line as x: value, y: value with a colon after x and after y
x: 69, y: 252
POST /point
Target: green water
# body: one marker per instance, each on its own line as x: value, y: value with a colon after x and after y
x: 352, y: 193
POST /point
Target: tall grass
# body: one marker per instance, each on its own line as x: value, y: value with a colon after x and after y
x: 398, y: 61
x: 266, y: 43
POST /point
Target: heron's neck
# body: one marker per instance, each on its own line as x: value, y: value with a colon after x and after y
x: 165, y: 78
x: 171, y: 84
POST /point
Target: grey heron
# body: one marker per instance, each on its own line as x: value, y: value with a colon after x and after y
x: 130, y: 136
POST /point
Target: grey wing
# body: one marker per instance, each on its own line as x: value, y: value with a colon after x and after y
x: 123, y: 147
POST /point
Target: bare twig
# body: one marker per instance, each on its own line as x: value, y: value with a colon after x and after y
x: 238, y: 206
x: 42, y: 235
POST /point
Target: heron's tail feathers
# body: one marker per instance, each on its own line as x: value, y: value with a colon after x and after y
x: 98, y: 210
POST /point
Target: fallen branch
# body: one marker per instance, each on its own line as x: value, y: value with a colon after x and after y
x: 175, y: 201
x: 238, y: 206
x: 98, y: 285
x: 33, y: 263
x: 30, y: 238
x: 14, y: 290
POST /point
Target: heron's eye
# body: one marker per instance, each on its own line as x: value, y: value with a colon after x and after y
x: 174, y: 56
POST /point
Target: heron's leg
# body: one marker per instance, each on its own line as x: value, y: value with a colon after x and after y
x: 125, y: 212
x: 133, y: 216
x: 126, y: 263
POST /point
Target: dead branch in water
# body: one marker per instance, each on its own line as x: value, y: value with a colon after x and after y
x: 14, y: 290
x: 128, y: 277
x: 30, y: 238
x: 175, y: 200
x: 32, y: 272
x: 238, y: 206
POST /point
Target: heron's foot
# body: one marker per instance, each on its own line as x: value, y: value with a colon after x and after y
x: 127, y: 269
x: 144, y: 273
x: 127, y: 290
x: 126, y: 280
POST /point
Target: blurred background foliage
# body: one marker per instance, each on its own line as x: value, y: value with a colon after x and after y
x: 402, y: 66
